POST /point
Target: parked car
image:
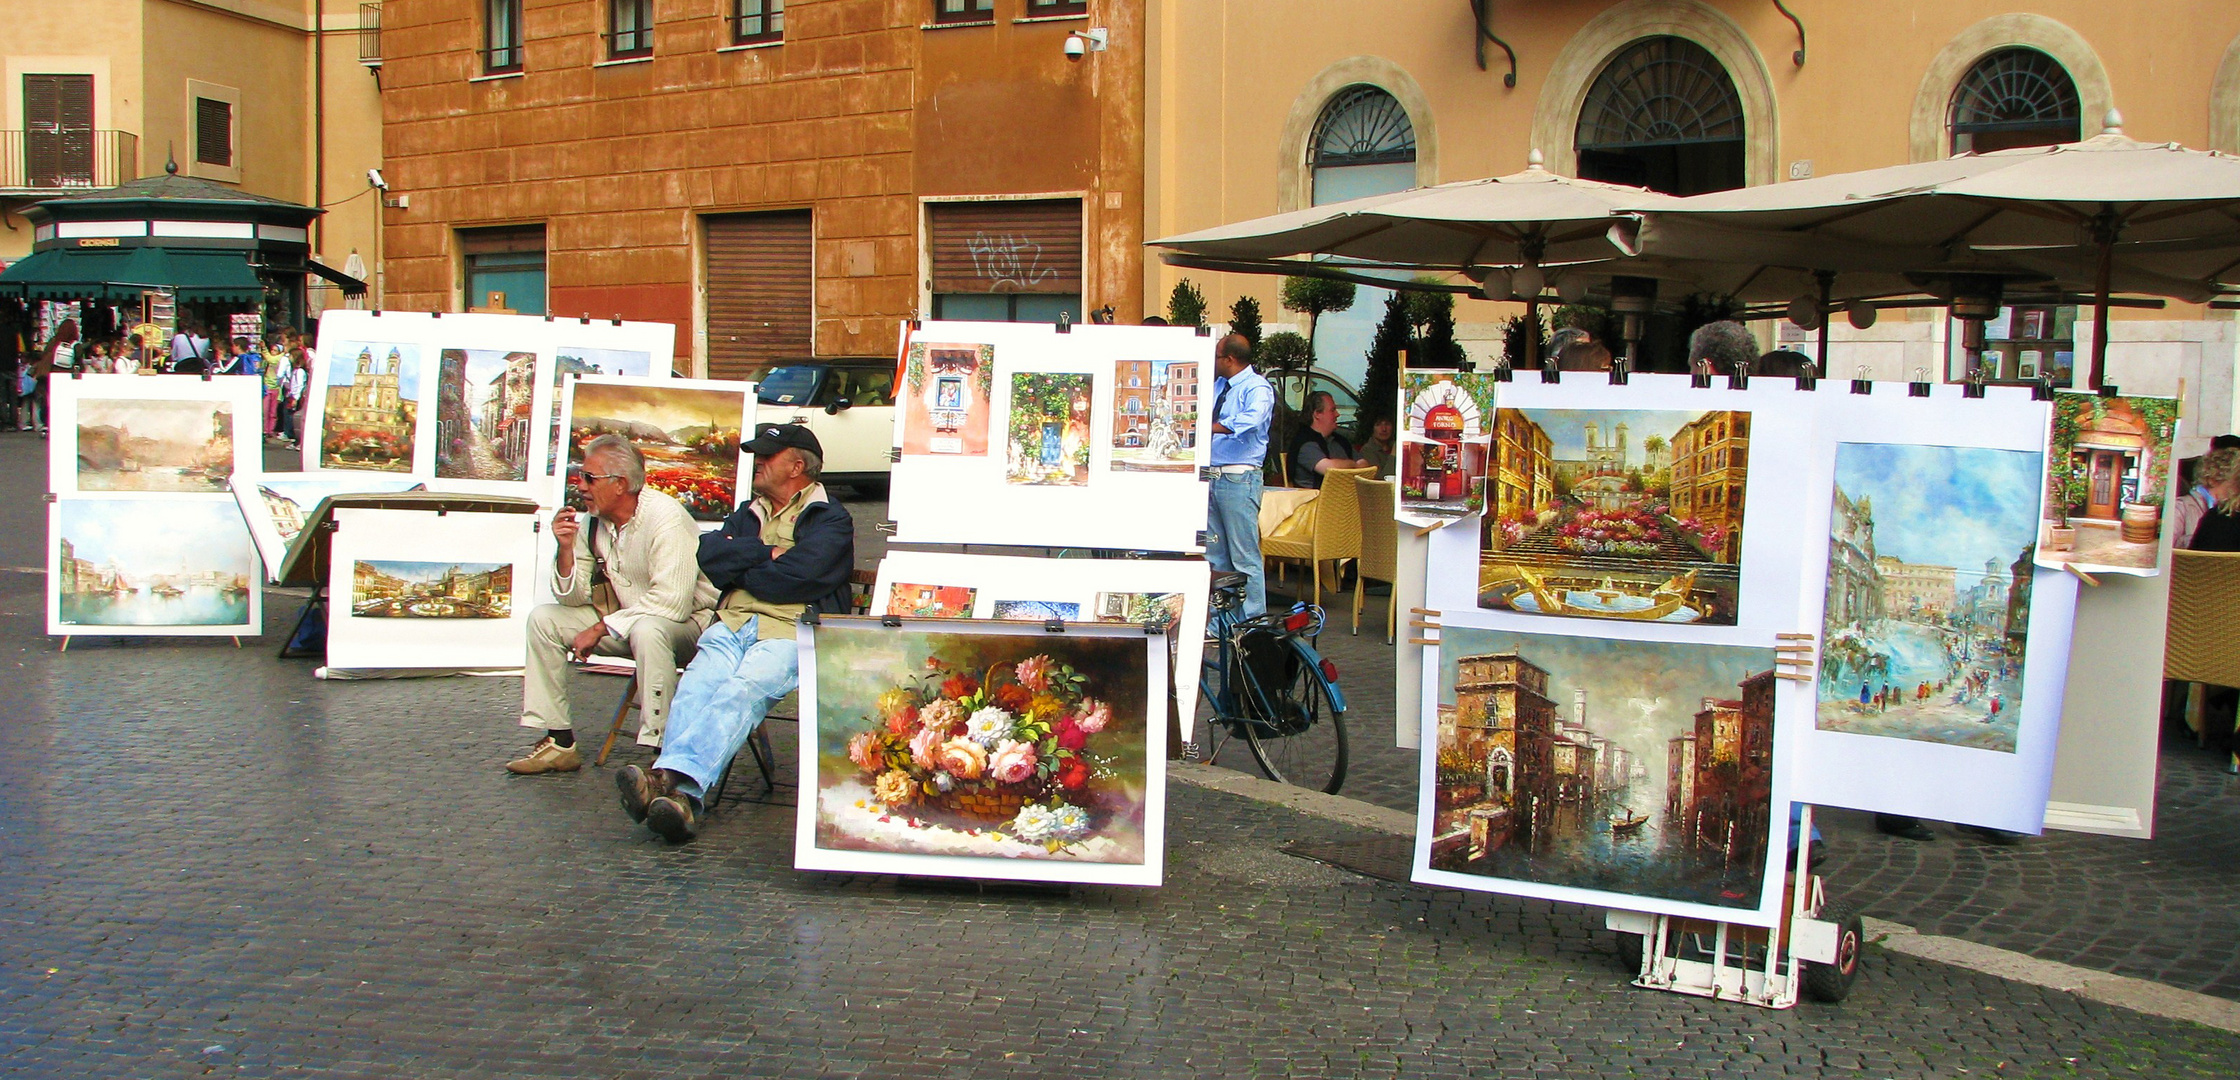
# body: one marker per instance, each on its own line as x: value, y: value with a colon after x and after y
x: 848, y: 403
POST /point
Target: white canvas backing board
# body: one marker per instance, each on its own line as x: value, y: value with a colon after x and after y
x: 427, y: 537
x: 960, y: 499
x: 1791, y: 699
x: 67, y: 398
x: 808, y: 855
x: 555, y: 488
x: 304, y: 492
x: 1918, y: 778
x: 131, y: 550
x: 1077, y: 581
x: 644, y: 350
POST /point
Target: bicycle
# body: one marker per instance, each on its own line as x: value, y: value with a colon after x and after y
x: 1266, y: 684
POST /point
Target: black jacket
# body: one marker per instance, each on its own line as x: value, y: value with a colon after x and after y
x: 815, y: 571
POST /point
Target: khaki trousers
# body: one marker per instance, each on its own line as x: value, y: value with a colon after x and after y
x: 658, y: 645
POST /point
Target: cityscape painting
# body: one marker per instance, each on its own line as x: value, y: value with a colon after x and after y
x: 1612, y: 514
x: 1928, y: 598
x: 1627, y: 767
x: 372, y: 407
x: 152, y: 563
x: 945, y: 403
x: 1010, y: 748
x: 127, y: 444
x: 1049, y: 428
x: 1444, y: 442
x: 688, y: 433
x: 1155, y: 415
x: 431, y: 590
x: 483, y: 418
x: 1140, y: 607
x: 930, y: 601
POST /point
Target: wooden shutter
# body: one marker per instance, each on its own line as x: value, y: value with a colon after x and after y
x: 1013, y: 246
x: 58, y: 129
x: 213, y: 132
x: 760, y: 271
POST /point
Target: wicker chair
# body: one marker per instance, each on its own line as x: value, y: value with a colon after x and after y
x: 1337, y: 527
x: 1380, y: 548
x: 2201, y: 647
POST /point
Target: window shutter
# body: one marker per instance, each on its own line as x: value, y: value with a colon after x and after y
x: 213, y: 132
x: 760, y: 273
x: 1012, y: 246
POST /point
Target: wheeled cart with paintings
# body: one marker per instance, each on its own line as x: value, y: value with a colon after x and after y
x: 1815, y: 951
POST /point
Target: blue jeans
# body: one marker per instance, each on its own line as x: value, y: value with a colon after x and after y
x: 722, y: 697
x: 1233, y: 515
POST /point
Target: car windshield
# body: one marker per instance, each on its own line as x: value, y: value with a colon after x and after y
x: 865, y: 385
x: 792, y: 385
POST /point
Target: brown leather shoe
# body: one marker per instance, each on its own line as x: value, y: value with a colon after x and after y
x: 546, y: 756
x: 674, y: 816
x: 638, y: 788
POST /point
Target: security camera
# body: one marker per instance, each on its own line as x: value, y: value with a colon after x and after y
x: 373, y: 176
x: 1076, y: 48
x: 1081, y: 43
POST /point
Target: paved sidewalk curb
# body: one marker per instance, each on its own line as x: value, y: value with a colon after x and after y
x: 2137, y: 995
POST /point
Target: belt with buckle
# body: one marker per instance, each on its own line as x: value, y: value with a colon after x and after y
x: 1236, y: 468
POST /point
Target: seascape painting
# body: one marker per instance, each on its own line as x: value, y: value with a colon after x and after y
x: 1155, y: 415
x: 127, y: 444
x: 575, y: 360
x: 1049, y: 429
x: 153, y: 563
x: 1035, y: 610
x: 1610, y: 514
x: 2107, y: 477
x: 483, y: 417
x: 1928, y: 605
x: 372, y: 407
x: 1632, y: 768
x: 431, y: 590
x: 1444, y: 441
x: 930, y: 601
x: 945, y: 402
x: 1002, y: 746
x: 688, y: 434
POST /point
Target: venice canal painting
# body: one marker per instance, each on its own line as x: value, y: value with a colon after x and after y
x: 1928, y: 613
x: 150, y: 562
x: 150, y: 445
x: 1615, y: 514
x: 1636, y: 768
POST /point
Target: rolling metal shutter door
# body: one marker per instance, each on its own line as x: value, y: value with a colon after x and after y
x: 1031, y: 246
x: 760, y: 270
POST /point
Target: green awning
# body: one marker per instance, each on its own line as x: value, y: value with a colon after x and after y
x: 123, y: 273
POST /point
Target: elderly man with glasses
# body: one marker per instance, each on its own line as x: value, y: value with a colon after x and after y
x: 628, y: 583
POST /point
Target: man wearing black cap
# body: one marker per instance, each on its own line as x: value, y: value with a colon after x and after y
x: 791, y: 546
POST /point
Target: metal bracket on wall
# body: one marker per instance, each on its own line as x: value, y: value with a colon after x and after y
x: 1483, y: 10
x: 1798, y: 56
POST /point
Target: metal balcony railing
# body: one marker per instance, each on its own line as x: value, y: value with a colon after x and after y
x: 40, y: 160
x: 369, y: 35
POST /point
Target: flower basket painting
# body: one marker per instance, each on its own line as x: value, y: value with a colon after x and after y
x: 945, y: 401
x: 689, y: 435
x: 2107, y: 472
x: 1049, y: 429
x: 1587, y: 521
x: 1017, y: 754
x: 372, y: 407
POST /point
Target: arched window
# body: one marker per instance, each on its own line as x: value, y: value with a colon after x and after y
x: 2015, y: 97
x: 1363, y: 145
x: 1663, y: 115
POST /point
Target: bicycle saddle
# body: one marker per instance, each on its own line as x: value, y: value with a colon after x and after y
x: 1228, y: 579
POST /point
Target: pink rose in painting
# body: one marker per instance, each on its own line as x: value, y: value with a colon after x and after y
x: 925, y: 747
x: 1013, y: 763
x: 864, y: 750
x: 962, y: 758
x: 1034, y: 673
x: 1070, y: 735
x: 1094, y: 715
x: 942, y: 714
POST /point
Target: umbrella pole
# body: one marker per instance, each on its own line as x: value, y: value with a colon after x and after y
x: 2104, y: 233
x: 1827, y: 293
x: 1532, y: 332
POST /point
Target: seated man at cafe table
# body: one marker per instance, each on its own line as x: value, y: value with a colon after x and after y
x: 789, y: 549
x: 1319, y: 448
x: 642, y: 544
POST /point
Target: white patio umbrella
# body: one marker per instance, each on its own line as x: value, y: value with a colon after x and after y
x: 2106, y: 215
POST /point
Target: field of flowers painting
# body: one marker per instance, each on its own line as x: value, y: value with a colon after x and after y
x: 989, y: 745
x: 1614, y: 514
x: 688, y: 434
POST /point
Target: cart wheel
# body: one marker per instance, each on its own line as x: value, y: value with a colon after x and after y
x: 1832, y: 982
x: 1630, y: 948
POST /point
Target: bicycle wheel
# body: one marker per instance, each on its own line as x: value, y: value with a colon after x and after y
x: 1300, y: 738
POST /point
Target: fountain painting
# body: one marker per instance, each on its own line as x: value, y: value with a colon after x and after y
x: 1616, y: 514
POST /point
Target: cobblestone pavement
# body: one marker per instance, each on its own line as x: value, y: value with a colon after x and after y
x: 211, y: 864
x: 2156, y: 909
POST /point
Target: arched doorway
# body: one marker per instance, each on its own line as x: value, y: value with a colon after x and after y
x: 1364, y: 144
x: 1663, y: 114
x: 2015, y: 97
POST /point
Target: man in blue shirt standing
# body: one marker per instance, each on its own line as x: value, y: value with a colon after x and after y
x: 1243, y: 406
